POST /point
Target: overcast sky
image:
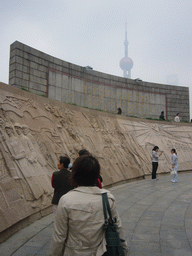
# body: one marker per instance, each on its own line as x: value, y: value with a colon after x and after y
x: 92, y: 32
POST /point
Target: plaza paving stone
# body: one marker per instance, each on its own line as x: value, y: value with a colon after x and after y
x: 156, y: 217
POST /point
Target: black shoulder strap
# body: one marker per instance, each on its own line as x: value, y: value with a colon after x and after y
x: 106, y: 207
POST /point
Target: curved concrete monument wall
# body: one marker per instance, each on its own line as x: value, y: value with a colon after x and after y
x: 35, y: 131
x: 43, y: 74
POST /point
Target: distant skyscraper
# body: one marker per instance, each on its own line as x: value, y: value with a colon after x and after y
x: 126, y: 63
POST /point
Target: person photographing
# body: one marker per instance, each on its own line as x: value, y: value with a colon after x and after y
x: 155, y: 160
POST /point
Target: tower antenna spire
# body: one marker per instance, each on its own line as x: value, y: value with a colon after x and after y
x: 126, y: 63
x: 126, y: 42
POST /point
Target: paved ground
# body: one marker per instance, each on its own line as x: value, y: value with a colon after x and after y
x: 156, y: 216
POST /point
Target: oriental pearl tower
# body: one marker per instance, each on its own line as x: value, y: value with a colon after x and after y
x: 126, y: 63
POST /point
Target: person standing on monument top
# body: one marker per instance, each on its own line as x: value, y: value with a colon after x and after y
x: 162, y: 117
x: 177, y: 119
x: 119, y: 111
x: 155, y: 159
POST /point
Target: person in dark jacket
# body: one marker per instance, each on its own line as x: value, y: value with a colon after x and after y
x: 119, y: 111
x: 162, y: 117
x: 61, y: 180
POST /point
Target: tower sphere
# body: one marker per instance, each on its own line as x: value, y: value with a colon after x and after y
x: 126, y: 63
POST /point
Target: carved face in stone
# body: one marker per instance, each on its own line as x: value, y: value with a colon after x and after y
x: 62, y: 121
x: 25, y: 130
x: 59, y: 127
x: 18, y: 129
x: 9, y: 130
x: 2, y: 123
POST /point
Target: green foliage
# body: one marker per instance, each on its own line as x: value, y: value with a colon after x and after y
x: 150, y: 118
x: 132, y: 116
x: 185, y: 121
x: 43, y: 95
x: 157, y: 119
x: 24, y: 89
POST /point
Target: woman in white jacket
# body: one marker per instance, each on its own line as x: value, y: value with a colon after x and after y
x: 174, y: 162
x: 155, y: 160
x: 79, y: 220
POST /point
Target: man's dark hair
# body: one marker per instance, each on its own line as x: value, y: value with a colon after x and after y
x: 64, y: 160
x: 85, y: 171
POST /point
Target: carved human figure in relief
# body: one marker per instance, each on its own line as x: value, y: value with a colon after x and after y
x: 2, y: 166
x: 33, y: 186
x: 6, y: 161
x: 36, y: 152
x: 27, y: 144
x: 46, y: 150
x: 17, y: 153
x: 16, y: 150
x: 51, y: 145
x: 36, y: 169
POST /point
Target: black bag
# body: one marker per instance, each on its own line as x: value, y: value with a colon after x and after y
x: 114, y: 243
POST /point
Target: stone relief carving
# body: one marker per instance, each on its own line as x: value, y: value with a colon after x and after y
x: 27, y: 167
x: 6, y: 158
x: 33, y: 135
x: 3, y: 168
x: 19, y: 103
x: 166, y: 137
